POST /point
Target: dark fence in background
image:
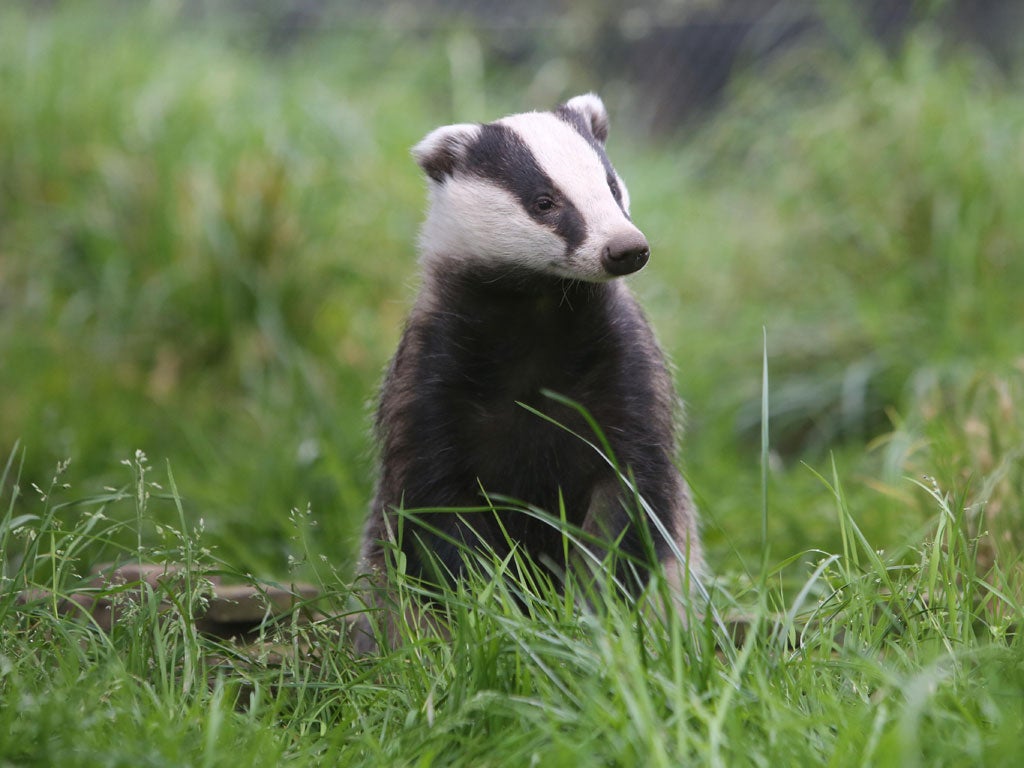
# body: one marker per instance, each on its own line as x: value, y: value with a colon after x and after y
x: 677, y: 56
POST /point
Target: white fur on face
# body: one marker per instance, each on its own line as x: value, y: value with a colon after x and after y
x: 579, y: 174
x: 473, y: 218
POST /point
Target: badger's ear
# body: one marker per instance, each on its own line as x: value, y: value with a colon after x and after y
x: 595, y: 117
x: 441, y: 149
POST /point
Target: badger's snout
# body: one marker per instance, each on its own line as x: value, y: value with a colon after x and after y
x: 625, y: 253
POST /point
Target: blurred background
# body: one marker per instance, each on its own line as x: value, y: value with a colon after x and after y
x: 208, y: 217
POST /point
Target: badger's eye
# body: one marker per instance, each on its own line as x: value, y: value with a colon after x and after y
x: 544, y: 204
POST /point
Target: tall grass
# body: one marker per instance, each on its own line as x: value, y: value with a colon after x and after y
x: 205, y: 257
x: 891, y: 232
x: 905, y: 656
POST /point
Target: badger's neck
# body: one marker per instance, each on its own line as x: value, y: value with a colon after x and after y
x: 502, y: 338
x: 528, y: 297
x: 516, y: 332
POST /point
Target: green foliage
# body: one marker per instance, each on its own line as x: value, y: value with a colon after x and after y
x: 206, y: 252
x: 877, y: 659
x: 894, y: 235
x: 195, y: 260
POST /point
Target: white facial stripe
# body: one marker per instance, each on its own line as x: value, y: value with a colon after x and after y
x: 477, y: 219
x: 473, y: 218
x: 575, y: 168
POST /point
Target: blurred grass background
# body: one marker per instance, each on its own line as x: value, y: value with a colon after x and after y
x: 208, y: 217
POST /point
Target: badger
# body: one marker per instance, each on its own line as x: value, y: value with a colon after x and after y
x: 527, y: 234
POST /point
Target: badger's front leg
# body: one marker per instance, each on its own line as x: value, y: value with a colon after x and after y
x: 617, y: 519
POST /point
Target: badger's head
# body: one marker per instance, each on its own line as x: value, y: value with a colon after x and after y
x: 533, y: 191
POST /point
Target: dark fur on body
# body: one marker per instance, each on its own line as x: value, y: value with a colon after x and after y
x: 527, y: 230
x: 449, y: 423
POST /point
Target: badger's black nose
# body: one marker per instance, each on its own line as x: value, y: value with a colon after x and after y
x: 625, y: 254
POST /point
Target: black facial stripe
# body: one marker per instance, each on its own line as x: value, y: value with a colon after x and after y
x: 579, y: 124
x: 503, y: 158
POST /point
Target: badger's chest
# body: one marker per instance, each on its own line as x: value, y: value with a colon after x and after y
x: 506, y: 356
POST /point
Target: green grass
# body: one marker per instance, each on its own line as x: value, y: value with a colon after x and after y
x: 206, y: 253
